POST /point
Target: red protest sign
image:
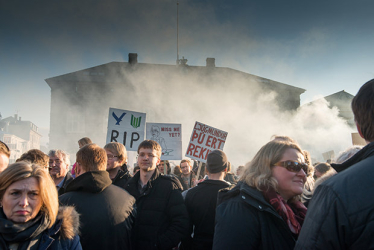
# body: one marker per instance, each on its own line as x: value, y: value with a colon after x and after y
x: 203, y: 140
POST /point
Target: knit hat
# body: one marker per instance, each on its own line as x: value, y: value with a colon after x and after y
x: 216, y: 161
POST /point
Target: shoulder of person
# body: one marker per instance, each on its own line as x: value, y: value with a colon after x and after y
x: 228, y: 193
x: 173, y: 179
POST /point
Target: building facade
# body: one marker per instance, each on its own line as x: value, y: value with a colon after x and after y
x: 20, y: 136
x: 80, y: 100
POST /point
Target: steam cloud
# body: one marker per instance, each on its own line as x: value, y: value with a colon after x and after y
x: 224, y: 101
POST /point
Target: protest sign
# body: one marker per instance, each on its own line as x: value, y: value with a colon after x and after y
x: 126, y: 127
x: 169, y: 136
x: 203, y: 140
x: 330, y: 155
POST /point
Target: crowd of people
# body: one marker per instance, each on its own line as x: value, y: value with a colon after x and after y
x: 278, y: 200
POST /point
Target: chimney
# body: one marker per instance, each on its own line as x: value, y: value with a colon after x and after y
x: 133, y: 58
x: 16, y: 117
x: 19, y: 118
x: 211, y: 62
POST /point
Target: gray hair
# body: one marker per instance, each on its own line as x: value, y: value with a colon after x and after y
x: 348, y: 153
x: 58, y: 152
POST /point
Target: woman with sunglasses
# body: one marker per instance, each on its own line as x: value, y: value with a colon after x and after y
x: 263, y: 211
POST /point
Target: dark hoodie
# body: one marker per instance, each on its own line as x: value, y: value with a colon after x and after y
x: 106, y: 211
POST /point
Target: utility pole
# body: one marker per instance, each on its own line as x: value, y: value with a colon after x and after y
x: 177, y: 33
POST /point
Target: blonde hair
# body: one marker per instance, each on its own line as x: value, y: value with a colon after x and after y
x: 118, y: 149
x: 92, y: 158
x: 84, y: 141
x: 258, y: 173
x: 48, y: 193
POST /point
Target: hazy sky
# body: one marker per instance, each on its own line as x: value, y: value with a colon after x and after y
x: 321, y: 46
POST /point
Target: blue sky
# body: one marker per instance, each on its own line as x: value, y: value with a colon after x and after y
x: 321, y: 46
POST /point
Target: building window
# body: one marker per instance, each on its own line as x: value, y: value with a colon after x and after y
x: 7, y: 140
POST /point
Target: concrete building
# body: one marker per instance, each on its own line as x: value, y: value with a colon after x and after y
x: 342, y: 100
x: 80, y: 100
x: 20, y: 136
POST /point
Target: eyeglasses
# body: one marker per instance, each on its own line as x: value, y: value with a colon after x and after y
x: 110, y: 157
x: 55, y: 161
x: 144, y: 155
x: 293, y: 166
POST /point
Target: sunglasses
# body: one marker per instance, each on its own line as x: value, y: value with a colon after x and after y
x: 293, y: 166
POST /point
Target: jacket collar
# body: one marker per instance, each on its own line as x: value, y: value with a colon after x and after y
x: 364, y: 153
x: 92, y: 182
x: 214, y: 182
x: 122, y: 172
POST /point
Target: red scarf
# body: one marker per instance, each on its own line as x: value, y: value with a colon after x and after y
x: 292, y: 213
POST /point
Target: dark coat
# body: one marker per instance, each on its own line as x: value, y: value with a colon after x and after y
x: 245, y: 220
x: 162, y: 218
x: 341, y: 212
x: 68, y: 178
x: 106, y: 211
x: 63, y: 235
x: 122, y: 177
x: 201, y: 202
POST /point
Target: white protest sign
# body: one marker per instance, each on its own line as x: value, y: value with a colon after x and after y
x: 169, y: 136
x: 203, y: 140
x: 126, y: 127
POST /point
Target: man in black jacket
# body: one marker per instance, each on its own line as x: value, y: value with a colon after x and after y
x: 162, y: 219
x: 117, y: 163
x: 201, y: 202
x: 341, y: 212
x: 106, y: 211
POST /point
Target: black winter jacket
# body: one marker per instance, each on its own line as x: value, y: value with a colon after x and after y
x: 106, y: 211
x: 341, y: 212
x: 122, y: 177
x: 245, y: 220
x: 201, y: 202
x: 162, y: 218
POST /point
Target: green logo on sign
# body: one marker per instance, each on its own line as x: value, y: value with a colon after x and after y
x: 135, y: 122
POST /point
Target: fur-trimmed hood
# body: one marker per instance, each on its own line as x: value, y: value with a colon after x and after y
x: 68, y: 222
